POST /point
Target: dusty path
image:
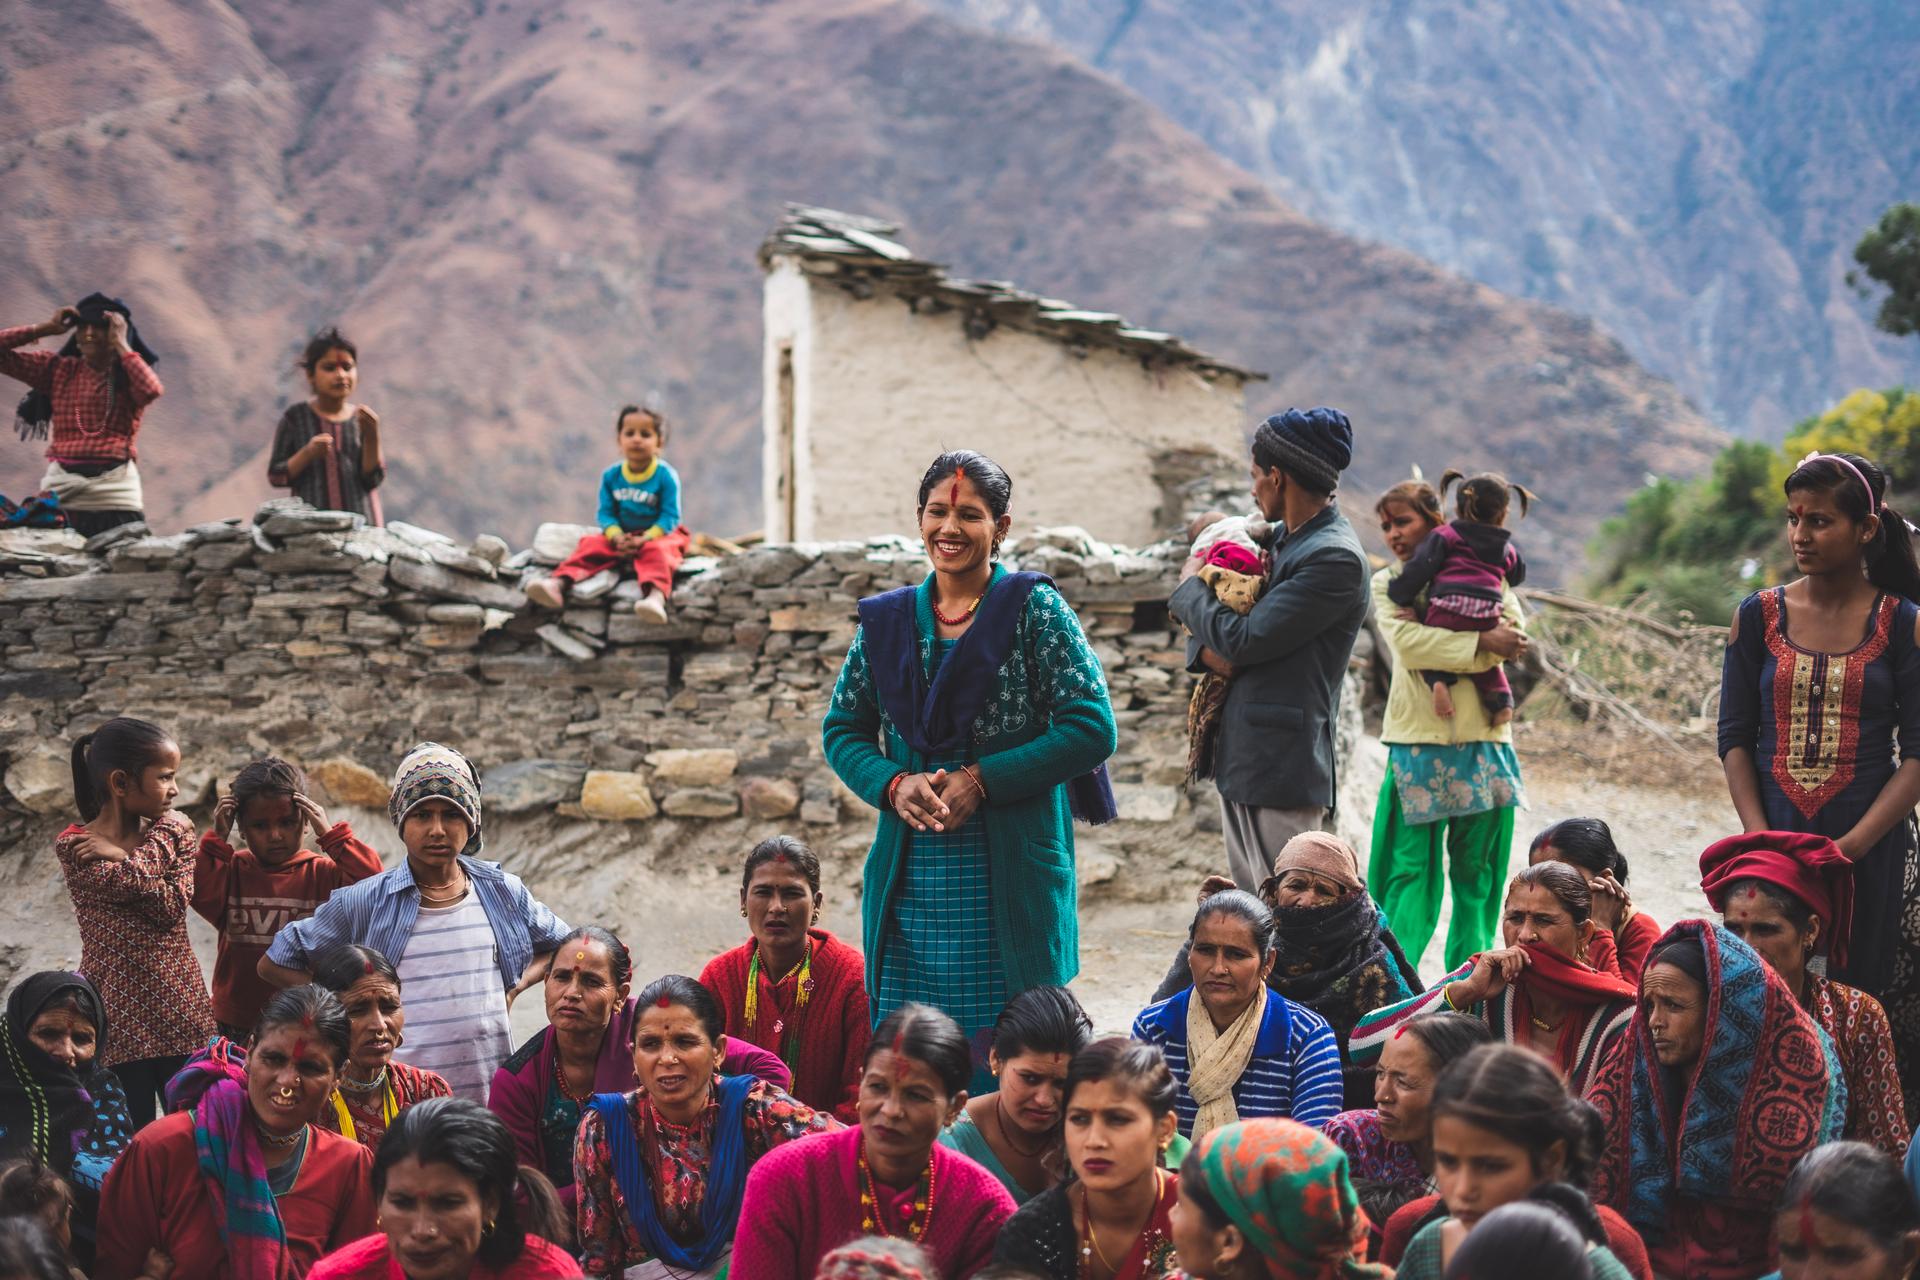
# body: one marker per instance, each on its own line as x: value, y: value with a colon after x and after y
x: 685, y: 910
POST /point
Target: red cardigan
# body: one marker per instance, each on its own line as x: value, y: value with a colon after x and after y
x: 155, y: 1198
x: 1622, y: 1239
x: 833, y: 1030
x: 371, y: 1259
x: 803, y: 1201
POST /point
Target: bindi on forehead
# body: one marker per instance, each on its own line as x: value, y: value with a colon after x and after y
x: 953, y: 491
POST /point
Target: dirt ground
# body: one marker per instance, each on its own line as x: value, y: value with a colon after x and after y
x: 683, y: 909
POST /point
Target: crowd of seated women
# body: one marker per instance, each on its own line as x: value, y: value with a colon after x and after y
x: 1595, y: 1097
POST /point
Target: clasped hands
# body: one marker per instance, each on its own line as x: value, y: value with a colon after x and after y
x: 939, y: 801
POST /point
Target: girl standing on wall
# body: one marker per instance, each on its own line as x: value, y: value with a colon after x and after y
x: 129, y: 869
x: 89, y: 397
x: 326, y: 449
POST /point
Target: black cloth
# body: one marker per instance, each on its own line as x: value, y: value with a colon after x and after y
x: 1040, y: 1238
x: 75, y: 1122
x: 35, y: 414
x: 145, y: 1081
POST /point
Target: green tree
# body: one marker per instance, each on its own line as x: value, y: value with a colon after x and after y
x: 1890, y: 255
x: 1881, y: 425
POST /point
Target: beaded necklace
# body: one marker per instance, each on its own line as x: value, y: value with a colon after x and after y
x: 389, y: 1108
x: 789, y: 1048
x: 560, y: 1079
x: 945, y: 621
x: 919, y: 1217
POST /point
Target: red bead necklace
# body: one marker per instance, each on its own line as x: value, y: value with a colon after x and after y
x: 945, y: 621
x: 919, y: 1217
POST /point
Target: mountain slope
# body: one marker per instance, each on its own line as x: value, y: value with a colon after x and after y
x: 1693, y: 175
x: 528, y: 213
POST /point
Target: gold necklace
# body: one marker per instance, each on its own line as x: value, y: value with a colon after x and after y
x: 430, y: 900
x: 1091, y: 1249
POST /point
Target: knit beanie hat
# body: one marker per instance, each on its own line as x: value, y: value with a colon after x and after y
x: 1315, y: 444
x: 1324, y: 855
x: 433, y: 772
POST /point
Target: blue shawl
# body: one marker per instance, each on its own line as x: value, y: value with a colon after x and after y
x: 726, y: 1176
x: 935, y: 719
x: 1767, y: 1089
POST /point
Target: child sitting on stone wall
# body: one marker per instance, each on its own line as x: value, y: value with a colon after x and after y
x: 639, y: 521
x: 1232, y: 555
x: 250, y: 894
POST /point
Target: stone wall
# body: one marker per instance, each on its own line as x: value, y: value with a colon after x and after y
x: 621, y: 761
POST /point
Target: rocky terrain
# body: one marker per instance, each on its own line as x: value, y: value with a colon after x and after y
x: 1694, y: 176
x: 528, y: 213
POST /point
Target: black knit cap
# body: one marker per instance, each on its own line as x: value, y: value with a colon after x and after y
x: 1314, y: 445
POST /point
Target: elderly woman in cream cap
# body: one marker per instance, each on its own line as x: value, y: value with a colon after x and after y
x: 1333, y: 951
x: 466, y: 936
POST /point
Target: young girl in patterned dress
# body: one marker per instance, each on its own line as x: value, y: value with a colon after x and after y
x: 1820, y: 717
x: 129, y: 869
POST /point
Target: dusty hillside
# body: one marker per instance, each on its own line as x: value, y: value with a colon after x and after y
x: 1693, y: 175
x: 527, y: 213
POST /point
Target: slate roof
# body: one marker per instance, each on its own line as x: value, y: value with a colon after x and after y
x: 860, y: 255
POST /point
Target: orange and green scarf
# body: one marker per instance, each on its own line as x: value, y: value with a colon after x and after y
x: 1285, y: 1186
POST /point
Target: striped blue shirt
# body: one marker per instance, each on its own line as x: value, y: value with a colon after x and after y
x: 380, y: 912
x: 1294, y: 1072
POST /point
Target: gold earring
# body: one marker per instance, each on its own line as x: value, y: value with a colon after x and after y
x: 490, y: 1225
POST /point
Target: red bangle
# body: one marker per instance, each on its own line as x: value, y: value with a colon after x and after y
x: 893, y: 786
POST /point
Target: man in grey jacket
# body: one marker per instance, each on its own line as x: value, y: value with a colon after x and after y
x: 1287, y: 656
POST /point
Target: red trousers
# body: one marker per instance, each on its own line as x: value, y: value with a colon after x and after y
x: 653, y: 564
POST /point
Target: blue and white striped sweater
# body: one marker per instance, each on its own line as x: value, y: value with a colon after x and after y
x: 1295, y: 1069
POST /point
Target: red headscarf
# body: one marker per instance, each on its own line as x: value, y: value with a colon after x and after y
x: 1809, y: 867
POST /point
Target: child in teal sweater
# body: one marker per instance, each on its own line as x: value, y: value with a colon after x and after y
x: 639, y: 521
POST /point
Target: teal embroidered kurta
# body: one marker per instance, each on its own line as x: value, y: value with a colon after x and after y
x: 1048, y: 722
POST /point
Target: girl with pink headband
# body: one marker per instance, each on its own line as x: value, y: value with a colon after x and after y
x: 1820, y: 715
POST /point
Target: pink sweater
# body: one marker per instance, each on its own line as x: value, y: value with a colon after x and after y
x: 803, y: 1201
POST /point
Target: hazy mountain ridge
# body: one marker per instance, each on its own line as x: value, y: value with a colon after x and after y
x: 1694, y: 176
x: 528, y: 213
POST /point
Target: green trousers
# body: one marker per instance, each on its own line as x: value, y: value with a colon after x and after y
x: 1404, y: 875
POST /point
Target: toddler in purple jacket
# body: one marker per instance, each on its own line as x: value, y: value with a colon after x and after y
x: 1464, y: 566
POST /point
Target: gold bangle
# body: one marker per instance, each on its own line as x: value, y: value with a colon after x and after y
x: 1446, y: 994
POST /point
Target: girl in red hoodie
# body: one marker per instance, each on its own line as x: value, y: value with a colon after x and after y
x: 249, y: 894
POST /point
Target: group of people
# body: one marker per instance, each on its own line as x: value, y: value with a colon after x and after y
x: 89, y: 398
x: 1581, y: 1093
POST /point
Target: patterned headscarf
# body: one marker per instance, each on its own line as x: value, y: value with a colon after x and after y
x: 1285, y: 1186
x: 872, y: 1259
x: 433, y: 772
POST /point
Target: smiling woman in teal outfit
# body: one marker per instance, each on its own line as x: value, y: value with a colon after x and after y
x: 973, y: 714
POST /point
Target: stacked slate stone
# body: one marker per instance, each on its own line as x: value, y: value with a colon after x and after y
x: 337, y: 645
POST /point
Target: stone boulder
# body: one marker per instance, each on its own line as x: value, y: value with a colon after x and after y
x: 616, y: 797
x: 704, y: 767
x: 527, y: 785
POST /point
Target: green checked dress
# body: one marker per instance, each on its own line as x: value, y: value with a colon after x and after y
x: 939, y: 942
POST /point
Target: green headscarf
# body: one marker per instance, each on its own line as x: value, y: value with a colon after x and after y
x: 1285, y: 1186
